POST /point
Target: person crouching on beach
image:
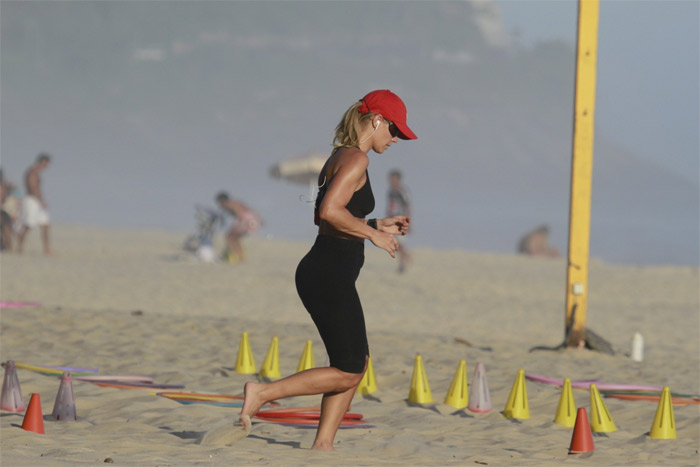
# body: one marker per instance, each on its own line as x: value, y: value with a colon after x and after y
x: 325, y: 277
x: 247, y: 222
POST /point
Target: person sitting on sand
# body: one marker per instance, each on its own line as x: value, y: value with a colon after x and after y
x: 536, y: 243
x: 247, y: 222
x: 325, y: 277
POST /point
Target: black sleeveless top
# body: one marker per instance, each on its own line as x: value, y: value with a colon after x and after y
x: 361, y: 203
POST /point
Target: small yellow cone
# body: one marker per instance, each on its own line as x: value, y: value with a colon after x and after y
x: 601, y: 421
x: 420, y: 389
x: 307, y: 358
x: 566, y: 410
x: 233, y: 258
x: 271, y: 366
x: 368, y: 385
x: 664, y: 426
x: 245, y: 363
x: 517, y: 405
x: 457, y: 396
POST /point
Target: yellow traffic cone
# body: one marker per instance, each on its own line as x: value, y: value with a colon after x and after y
x: 601, y: 421
x: 664, y: 426
x: 420, y: 389
x: 457, y: 396
x: 271, y: 366
x: 566, y: 410
x: 245, y: 363
x: 368, y: 385
x: 517, y: 405
x: 307, y: 358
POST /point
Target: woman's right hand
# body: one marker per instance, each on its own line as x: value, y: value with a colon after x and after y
x: 386, y: 242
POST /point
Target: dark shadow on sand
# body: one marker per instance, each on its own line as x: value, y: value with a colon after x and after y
x: 369, y: 397
x: 421, y: 406
x: 515, y: 421
x: 291, y: 444
x: 187, y: 434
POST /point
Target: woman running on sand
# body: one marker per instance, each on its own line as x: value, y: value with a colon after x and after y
x: 325, y: 277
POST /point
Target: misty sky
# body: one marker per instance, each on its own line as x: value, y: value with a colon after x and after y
x: 151, y: 107
x: 648, y: 48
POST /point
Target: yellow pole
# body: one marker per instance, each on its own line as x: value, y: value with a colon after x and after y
x: 581, y: 173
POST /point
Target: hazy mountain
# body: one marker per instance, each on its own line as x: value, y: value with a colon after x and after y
x: 151, y: 107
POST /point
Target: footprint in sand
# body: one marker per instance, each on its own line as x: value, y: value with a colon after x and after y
x: 225, y: 434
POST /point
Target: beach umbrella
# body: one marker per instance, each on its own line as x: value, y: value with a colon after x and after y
x: 302, y: 170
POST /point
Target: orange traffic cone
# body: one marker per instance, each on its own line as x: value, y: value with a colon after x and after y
x: 582, y: 438
x: 33, y: 419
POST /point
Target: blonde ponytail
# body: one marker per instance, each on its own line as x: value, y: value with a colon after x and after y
x: 348, y: 130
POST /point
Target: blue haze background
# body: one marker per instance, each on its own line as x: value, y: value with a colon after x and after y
x: 152, y: 107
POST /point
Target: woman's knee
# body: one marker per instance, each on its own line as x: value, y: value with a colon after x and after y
x: 350, y: 380
x: 357, y: 377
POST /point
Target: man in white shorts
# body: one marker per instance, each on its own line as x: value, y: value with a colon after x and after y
x: 34, y: 210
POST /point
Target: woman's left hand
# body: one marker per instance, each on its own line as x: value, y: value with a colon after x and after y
x: 397, y: 225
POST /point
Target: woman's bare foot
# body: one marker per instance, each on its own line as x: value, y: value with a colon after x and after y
x: 252, y: 402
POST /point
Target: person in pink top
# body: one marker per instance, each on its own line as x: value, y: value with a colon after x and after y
x: 246, y: 222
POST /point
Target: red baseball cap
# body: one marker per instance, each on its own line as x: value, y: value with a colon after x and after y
x: 389, y: 106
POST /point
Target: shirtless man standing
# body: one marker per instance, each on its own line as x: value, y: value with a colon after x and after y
x: 34, y: 209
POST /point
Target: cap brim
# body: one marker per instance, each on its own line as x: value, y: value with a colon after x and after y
x: 404, y: 131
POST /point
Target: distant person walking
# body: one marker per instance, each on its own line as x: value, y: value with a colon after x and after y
x: 34, y: 211
x: 247, y: 222
x: 399, y: 204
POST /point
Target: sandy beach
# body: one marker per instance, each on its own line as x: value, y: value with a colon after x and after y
x: 134, y: 303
